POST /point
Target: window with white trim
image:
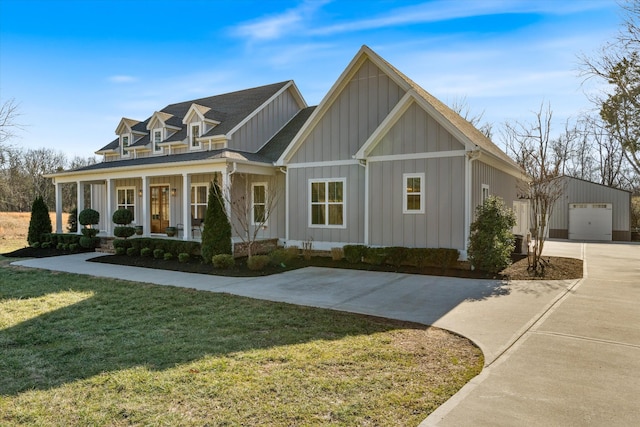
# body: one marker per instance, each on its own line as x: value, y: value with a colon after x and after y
x: 157, y: 139
x: 259, y: 212
x: 195, y: 134
x: 327, y: 202
x: 413, y: 193
x: 485, y: 193
x: 124, y: 142
x: 126, y: 199
x: 199, y: 194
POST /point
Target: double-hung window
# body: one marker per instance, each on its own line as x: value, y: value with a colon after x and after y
x: 485, y: 193
x: 157, y: 138
x: 259, y: 212
x: 195, y: 134
x: 124, y: 145
x: 127, y: 199
x: 327, y: 202
x: 413, y: 193
x: 199, y: 200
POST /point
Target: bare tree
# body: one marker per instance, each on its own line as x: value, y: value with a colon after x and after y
x: 532, y: 147
x: 251, y: 207
x: 9, y: 113
x: 461, y: 106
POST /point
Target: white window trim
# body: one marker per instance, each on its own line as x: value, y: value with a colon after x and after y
x: 199, y: 144
x: 344, y: 203
x: 194, y: 204
x: 482, y: 197
x: 266, y: 203
x: 134, y: 204
x: 157, y: 148
x: 405, y: 193
x: 122, y: 149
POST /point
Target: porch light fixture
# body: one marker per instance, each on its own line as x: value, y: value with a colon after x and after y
x: 140, y: 192
x: 173, y: 192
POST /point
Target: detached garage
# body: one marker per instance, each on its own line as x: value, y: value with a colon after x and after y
x: 590, y: 211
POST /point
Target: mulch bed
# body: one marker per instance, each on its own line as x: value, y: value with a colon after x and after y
x: 556, y: 268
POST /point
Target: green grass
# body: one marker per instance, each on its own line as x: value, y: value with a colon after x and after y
x: 76, y: 350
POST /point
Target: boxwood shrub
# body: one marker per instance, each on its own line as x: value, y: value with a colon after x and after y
x: 223, y: 261
x: 258, y: 262
x: 354, y: 253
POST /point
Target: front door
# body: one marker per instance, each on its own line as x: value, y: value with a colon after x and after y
x: 159, y: 208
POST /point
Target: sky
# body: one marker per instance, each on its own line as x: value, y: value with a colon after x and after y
x: 76, y: 67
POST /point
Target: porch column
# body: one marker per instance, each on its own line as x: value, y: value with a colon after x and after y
x: 58, y: 188
x: 80, y: 200
x: 146, y: 209
x: 110, y: 210
x: 226, y: 192
x: 186, y: 206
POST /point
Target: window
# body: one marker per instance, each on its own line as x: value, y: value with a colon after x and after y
x: 127, y: 199
x: 259, y: 203
x: 327, y: 203
x: 485, y: 193
x: 195, y: 134
x: 125, y: 143
x: 413, y: 193
x: 199, y: 200
x: 157, y: 138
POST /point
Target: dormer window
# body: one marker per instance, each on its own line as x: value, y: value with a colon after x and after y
x: 125, y: 143
x: 157, y: 138
x: 195, y: 134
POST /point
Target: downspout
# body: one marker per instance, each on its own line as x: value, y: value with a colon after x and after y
x: 286, y: 204
x: 365, y: 164
x: 468, y: 191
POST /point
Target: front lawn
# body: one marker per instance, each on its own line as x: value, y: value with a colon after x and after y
x: 85, y: 351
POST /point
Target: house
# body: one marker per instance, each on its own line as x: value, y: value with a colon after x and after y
x: 590, y: 211
x: 379, y: 162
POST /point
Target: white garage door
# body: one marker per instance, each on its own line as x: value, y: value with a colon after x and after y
x: 590, y: 221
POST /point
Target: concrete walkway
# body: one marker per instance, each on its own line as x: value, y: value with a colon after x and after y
x: 556, y: 352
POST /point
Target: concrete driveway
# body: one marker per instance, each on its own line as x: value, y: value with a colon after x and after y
x: 556, y: 352
x: 578, y: 365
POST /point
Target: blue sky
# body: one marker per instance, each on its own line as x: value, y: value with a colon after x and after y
x: 77, y: 67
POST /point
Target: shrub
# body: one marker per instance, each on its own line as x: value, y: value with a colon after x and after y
x: 45, y: 245
x: 35, y: 245
x: 224, y: 261
x: 281, y: 256
x: 74, y: 247
x: 158, y: 253
x: 122, y: 216
x: 125, y: 244
x: 396, y: 255
x: 216, y: 236
x: 88, y: 242
x: 90, y: 232
x: 354, y: 253
x: 294, y: 251
x: 257, y: 262
x: 183, y: 257
x: 375, y: 256
x: 72, y: 221
x: 124, y: 232
x: 40, y: 222
x: 168, y: 256
x: 337, y: 254
x: 133, y: 251
x: 146, y: 252
x: 121, y: 251
x: 89, y: 217
x: 491, y: 241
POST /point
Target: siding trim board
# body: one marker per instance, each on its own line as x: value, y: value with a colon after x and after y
x: 323, y: 164
x: 409, y: 156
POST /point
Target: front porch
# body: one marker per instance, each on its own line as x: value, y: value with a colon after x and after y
x: 177, y: 197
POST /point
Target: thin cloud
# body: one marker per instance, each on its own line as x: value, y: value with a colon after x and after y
x: 122, y: 79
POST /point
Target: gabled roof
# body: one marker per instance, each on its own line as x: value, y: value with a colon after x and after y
x: 276, y: 145
x: 469, y: 135
x: 126, y: 125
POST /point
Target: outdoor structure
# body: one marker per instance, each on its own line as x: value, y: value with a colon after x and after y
x: 590, y: 211
x: 379, y: 162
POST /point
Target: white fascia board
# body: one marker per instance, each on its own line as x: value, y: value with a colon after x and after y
x: 193, y: 110
x: 260, y: 108
x: 392, y: 118
x: 127, y: 124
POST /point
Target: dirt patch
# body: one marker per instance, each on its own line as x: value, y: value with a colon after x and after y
x: 555, y: 268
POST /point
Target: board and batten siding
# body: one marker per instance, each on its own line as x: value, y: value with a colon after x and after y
x: 579, y: 191
x: 299, y: 202
x: 358, y: 110
x: 416, y: 132
x: 442, y: 223
x: 266, y: 123
x: 500, y: 184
